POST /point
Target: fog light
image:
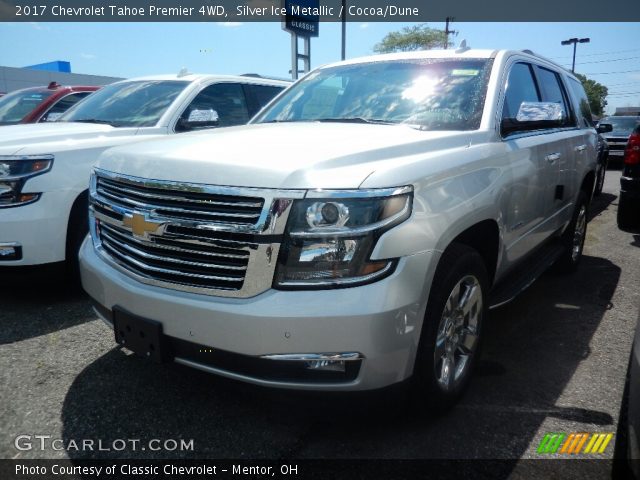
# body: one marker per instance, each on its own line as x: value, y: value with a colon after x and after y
x: 10, y: 251
x: 326, y: 365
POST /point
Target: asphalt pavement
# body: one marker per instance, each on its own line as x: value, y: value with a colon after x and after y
x: 554, y: 360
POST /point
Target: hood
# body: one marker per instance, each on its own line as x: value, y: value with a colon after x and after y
x: 283, y: 155
x: 54, y: 136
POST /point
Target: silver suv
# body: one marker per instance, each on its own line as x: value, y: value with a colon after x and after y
x: 357, y: 231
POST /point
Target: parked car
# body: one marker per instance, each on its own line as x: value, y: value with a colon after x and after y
x: 45, y: 168
x: 356, y: 232
x: 633, y: 407
x: 629, y: 201
x: 622, y: 126
x: 40, y: 104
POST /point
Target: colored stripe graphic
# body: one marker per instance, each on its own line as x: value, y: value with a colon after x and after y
x: 551, y: 442
x: 573, y: 443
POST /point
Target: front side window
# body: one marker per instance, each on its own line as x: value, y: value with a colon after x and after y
x: 521, y: 87
x: 226, y: 99
x: 62, y: 106
x: 127, y: 104
x: 429, y: 94
x: 17, y: 105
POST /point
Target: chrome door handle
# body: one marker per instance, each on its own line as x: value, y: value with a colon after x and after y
x: 581, y: 148
x: 552, y: 157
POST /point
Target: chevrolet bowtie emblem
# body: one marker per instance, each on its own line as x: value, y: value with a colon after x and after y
x: 140, y: 226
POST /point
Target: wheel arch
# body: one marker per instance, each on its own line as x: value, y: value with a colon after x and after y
x: 484, y: 237
x: 78, y: 214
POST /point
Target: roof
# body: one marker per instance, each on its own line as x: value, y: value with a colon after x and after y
x: 441, y: 53
x: 417, y: 55
x: 193, y: 77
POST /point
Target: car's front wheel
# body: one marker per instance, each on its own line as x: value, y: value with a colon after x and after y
x: 450, y: 338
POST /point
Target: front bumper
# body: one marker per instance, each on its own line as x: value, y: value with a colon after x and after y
x: 380, y: 321
x: 39, y: 228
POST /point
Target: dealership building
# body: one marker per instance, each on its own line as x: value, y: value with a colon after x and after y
x: 42, y: 74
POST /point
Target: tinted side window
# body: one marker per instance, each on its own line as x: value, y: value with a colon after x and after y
x: 62, y: 106
x: 264, y: 93
x: 227, y: 99
x: 521, y: 87
x: 552, y: 91
x: 585, y: 109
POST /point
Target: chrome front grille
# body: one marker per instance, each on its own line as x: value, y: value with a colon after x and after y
x: 215, y: 240
x: 189, y: 205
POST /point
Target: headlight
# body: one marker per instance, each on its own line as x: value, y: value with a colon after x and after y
x: 15, y: 170
x: 330, y: 237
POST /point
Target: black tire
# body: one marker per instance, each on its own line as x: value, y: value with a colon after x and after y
x: 628, y: 213
x: 574, y: 236
x: 600, y: 180
x: 77, y: 230
x: 459, y: 263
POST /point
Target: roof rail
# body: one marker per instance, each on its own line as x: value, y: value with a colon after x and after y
x: 266, y: 77
x: 531, y: 52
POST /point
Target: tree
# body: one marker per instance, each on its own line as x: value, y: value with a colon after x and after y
x: 596, y: 93
x: 418, y: 37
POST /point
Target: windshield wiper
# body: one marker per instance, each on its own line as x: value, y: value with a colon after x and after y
x: 96, y: 120
x: 354, y: 120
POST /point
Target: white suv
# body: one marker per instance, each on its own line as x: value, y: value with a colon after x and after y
x: 44, y: 168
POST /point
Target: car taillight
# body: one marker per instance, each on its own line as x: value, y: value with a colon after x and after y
x: 632, y: 152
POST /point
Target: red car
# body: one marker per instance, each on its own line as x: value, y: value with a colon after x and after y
x: 40, y: 104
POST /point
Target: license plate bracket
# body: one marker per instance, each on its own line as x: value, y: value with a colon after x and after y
x: 140, y: 335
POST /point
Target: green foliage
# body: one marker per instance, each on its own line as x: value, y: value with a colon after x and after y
x: 419, y: 37
x: 596, y: 93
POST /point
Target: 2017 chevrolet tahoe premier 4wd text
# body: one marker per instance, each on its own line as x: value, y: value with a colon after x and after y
x: 356, y: 232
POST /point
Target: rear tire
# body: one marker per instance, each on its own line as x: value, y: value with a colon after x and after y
x: 574, y: 236
x: 600, y: 180
x: 452, y: 327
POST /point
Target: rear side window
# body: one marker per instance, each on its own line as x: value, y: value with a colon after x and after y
x: 62, y: 106
x: 586, y: 120
x: 553, y: 92
x: 264, y: 93
x: 259, y: 95
x: 521, y: 87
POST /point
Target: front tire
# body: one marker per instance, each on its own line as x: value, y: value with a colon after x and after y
x: 450, y: 339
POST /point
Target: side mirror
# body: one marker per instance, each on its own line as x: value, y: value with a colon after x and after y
x: 604, y: 128
x: 199, y: 119
x: 534, y: 116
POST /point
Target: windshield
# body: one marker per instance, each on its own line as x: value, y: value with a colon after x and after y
x: 127, y: 104
x: 430, y: 94
x: 17, y: 105
x: 625, y: 124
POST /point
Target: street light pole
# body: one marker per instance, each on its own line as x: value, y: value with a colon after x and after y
x: 575, y: 42
x: 344, y: 29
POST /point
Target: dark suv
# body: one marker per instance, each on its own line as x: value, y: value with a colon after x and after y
x: 40, y: 104
x: 617, y: 138
x: 629, y: 201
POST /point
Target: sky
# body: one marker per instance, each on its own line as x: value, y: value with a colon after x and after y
x: 135, y: 49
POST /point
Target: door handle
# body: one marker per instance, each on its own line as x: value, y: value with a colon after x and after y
x: 581, y: 148
x: 552, y: 157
